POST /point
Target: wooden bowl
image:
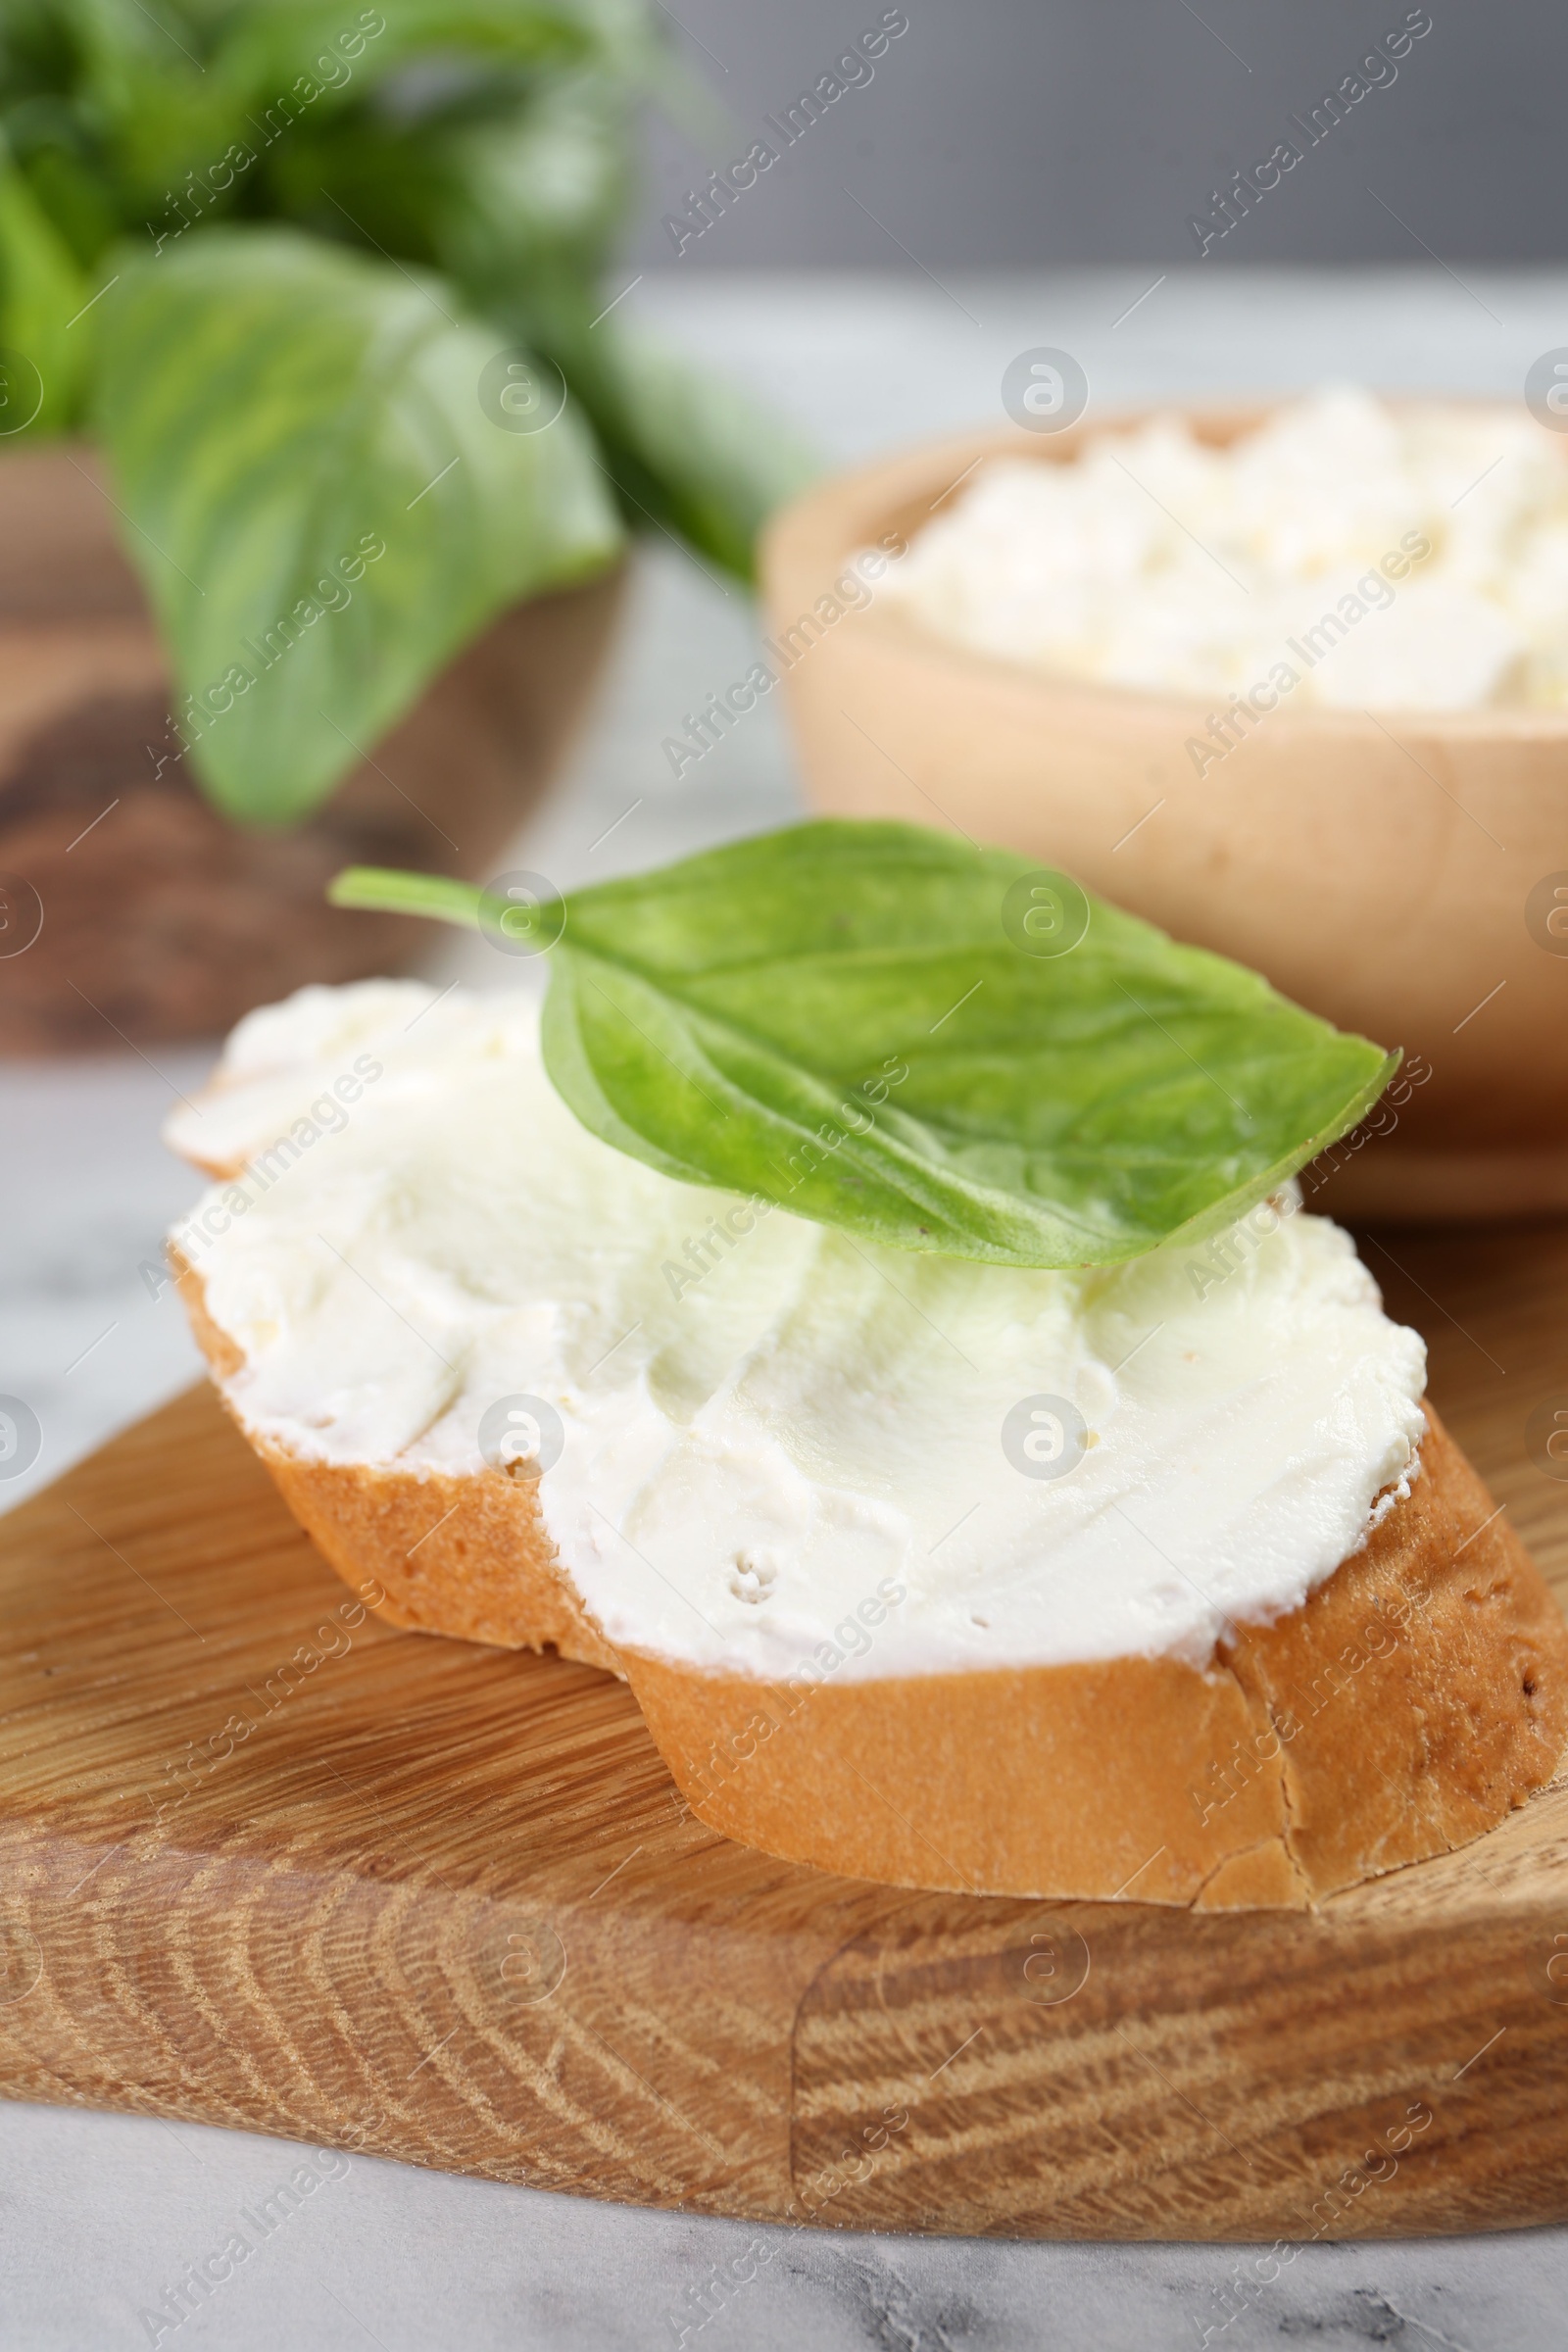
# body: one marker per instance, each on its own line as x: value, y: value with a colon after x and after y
x: 1397, y: 874
x: 159, y: 918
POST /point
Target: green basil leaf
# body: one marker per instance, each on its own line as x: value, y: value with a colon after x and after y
x: 490, y: 140
x: 339, y: 48
x: 41, y: 291
x: 686, y: 447
x: 142, y: 96
x: 543, y: 186
x: 495, y: 193
x: 866, y: 1023
x: 323, y: 511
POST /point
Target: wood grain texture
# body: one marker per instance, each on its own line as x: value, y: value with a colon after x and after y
x: 270, y: 1863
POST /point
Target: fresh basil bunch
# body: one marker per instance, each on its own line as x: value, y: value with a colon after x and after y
x: 318, y: 276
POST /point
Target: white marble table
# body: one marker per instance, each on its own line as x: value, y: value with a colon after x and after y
x: 98, y: 2213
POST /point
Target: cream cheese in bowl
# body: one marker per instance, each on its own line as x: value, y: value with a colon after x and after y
x: 773, y: 1437
x: 1392, y: 556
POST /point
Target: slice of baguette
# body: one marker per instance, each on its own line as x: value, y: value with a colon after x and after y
x: 464, y: 1556
x: 1416, y: 1697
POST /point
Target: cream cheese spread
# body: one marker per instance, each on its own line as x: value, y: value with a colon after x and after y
x: 776, y: 1444
x: 1411, y: 557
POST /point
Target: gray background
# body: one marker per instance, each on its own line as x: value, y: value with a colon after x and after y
x: 1039, y: 132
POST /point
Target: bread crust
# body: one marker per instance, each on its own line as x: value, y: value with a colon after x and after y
x: 1414, y: 1744
x: 1414, y: 1698
x: 465, y: 1556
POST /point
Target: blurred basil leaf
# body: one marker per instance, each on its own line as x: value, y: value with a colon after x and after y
x: 144, y: 101
x: 41, y: 291
x: 340, y: 46
x: 487, y: 142
x: 520, y: 211
x: 685, y: 446
x: 275, y: 410
x: 543, y: 187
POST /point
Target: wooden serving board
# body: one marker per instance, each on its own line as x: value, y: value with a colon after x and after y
x: 443, y: 1903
